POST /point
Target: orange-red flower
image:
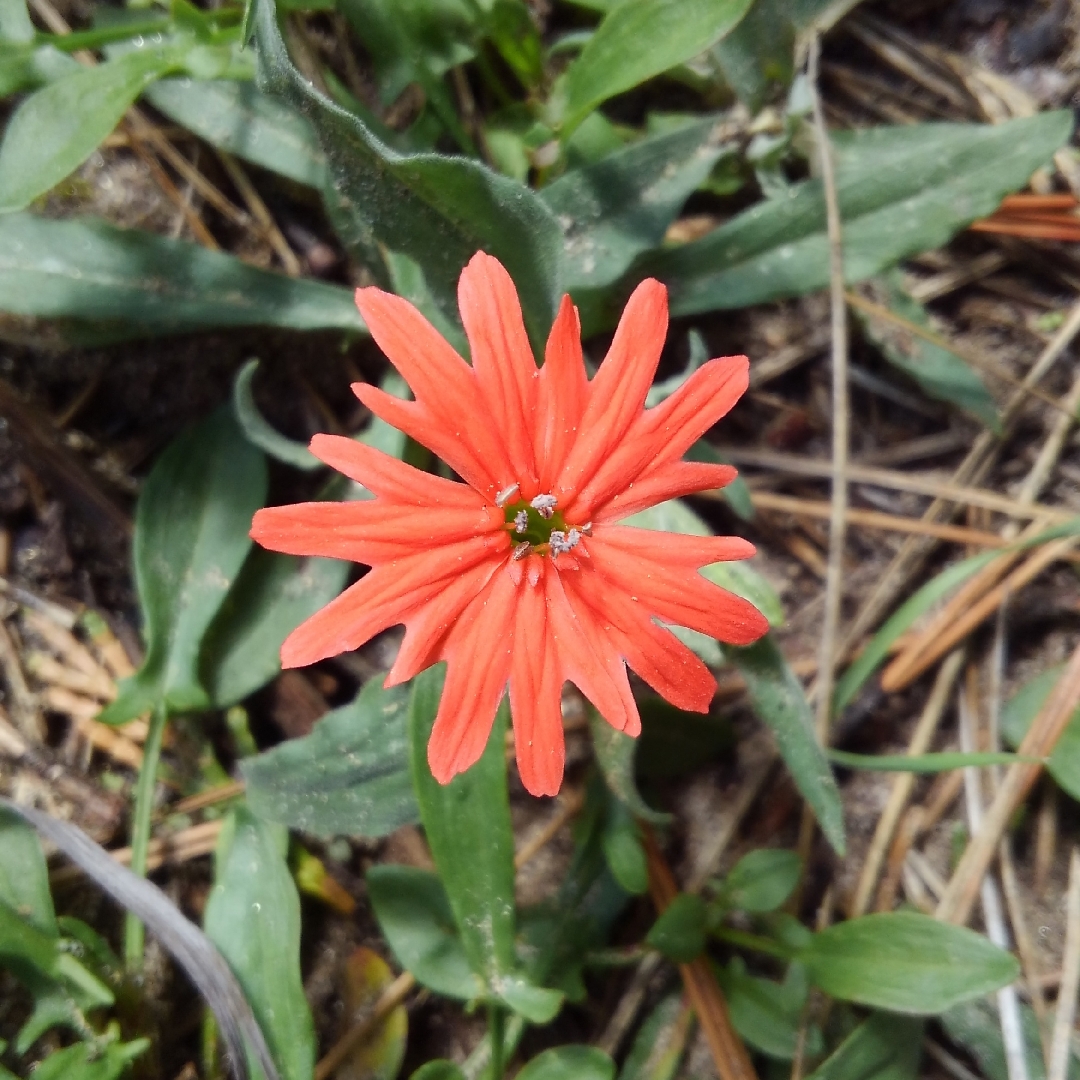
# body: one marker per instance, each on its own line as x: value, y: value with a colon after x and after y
x: 520, y: 575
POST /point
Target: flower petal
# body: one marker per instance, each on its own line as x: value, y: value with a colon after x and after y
x: 382, y: 598
x: 442, y: 439
x: 479, y: 650
x: 671, y: 480
x: 672, y: 549
x: 588, y: 657
x: 427, y: 628
x: 665, y: 433
x: 654, y: 652
x: 683, y: 597
x: 617, y: 394
x: 368, y: 532
x: 563, y: 390
x: 389, y: 477
x: 536, y: 697
x: 444, y: 385
x: 502, y: 359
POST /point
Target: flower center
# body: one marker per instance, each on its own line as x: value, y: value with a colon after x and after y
x: 539, y: 526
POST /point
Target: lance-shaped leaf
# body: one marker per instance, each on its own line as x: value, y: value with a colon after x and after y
x: 24, y: 875
x: 467, y: 823
x: 639, y: 39
x: 135, y: 283
x: 778, y: 700
x: 906, y: 962
x: 901, y: 190
x: 882, y: 1047
x: 350, y: 775
x: 437, y: 210
x: 56, y: 129
x: 253, y: 916
x: 414, y: 914
x: 238, y: 117
x: 939, y: 371
x: 191, y: 539
x: 622, y: 205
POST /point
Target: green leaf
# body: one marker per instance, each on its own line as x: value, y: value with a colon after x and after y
x: 779, y: 700
x: 438, y: 1070
x: 260, y: 432
x: 253, y: 916
x: 15, y: 24
x: 940, y: 372
x: 437, y: 210
x: 349, y: 776
x: 239, y: 118
x: 191, y: 539
x: 622, y: 205
x: 768, y: 1014
x: 883, y: 1047
x: 56, y: 129
x: 757, y: 57
x: 623, y: 850
x: 569, y: 1063
x: 976, y: 1026
x: 414, y: 914
x: 615, y: 753
x: 138, y: 283
x: 468, y: 827
x: 1022, y: 708
x: 901, y: 190
x: 923, y: 763
x: 762, y: 880
x: 640, y: 39
x: 658, y: 1047
x: 84, y: 1061
x: 62, y: 988
x: 679, y: 933
x: 271, y: 596
x: 906, y: 962
x: 558, y: 933
x: 902, y: 619
x: 24, y: 875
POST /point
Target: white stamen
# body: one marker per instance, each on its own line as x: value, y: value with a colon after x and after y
x: 521, y: 521
x: 561, y: 542
x: 506, y: 495
x: 521, y: 551
x: 586, y: 529
x: 544, y: 505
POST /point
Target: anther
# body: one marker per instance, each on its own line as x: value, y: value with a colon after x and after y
x: 544, y: 505
x: 521, y: 521
x: 521, y: 550
x: 506, y: 495
x: 562, y: 542
x: 586, y: 529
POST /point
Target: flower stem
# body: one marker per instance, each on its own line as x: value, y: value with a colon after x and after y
x: 496, y: 1025
x: 754, y: 942
x: 134, y: 931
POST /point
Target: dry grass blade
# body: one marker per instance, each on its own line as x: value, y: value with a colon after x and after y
x: 903, y: 784
x: 794, y: 465
x: 1039, y: 742
x: 876, y: 519
x: 1065, y: 1016
x: 958, y: 620
x: 728, y: 1052
x: 841, y: 418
